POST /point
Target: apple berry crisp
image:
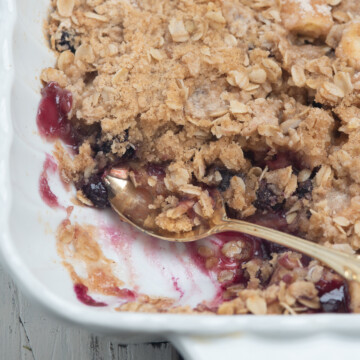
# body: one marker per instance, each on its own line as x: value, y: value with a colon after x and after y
x: 259, y: 99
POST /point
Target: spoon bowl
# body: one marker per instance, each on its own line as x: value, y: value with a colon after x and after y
x: 131, y: 204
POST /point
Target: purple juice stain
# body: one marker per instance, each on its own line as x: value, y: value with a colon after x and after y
x: 177, y: 287
x: 52, y: 119
x: 126, y: 294
x: 81, y: 292
x: 46, y: 193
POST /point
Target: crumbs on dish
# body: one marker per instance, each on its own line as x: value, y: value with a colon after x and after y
x: 259, y: 99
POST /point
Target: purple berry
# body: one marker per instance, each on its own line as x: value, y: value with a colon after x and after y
x: 335, y: 301
x: 304, y: 190
x: 96, y: 191
x: 67, y: 40
x: 266, y: 199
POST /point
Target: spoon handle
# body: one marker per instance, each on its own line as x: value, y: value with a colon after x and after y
x: 344, y: 264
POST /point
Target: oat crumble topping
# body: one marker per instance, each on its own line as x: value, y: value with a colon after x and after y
x: 257, y: 98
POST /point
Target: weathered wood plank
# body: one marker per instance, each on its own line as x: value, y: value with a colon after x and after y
x: 26, y: 333
x: 13, y: 337
x: 161, y: 351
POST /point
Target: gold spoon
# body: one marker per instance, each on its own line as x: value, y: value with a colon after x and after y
x: 131, y: 204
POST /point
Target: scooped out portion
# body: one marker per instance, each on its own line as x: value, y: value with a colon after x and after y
x: 256, y: 100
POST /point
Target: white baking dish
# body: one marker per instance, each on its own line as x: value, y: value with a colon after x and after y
x: 28, y: 243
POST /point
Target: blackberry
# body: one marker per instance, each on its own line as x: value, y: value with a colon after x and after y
x: 67, y: 40
x: 225, y: 181
x: 226, y: 177
x: 334, y: 301
x: 304, y: 190
x: 129, y: 153
x: 267, y: 199
x: 104, y: 147
x: 333, y: 293
x: 96, y: 191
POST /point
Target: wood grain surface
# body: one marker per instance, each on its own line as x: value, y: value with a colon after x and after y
x: 27, y: 333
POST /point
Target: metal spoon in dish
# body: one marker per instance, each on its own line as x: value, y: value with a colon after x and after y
x: 131, y: 204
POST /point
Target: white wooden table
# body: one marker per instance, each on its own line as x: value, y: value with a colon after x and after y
x: 26, y: 333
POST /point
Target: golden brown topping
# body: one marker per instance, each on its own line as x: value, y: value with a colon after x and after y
x: 65, y: 7
x: 307, y: 17
x: 349, y: 47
